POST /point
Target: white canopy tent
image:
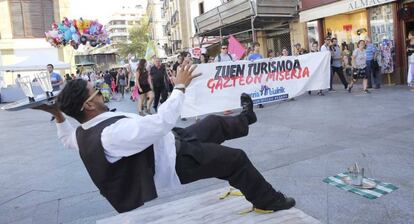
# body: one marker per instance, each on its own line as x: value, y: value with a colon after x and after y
x: 33, y: 61
x: 34, y: 64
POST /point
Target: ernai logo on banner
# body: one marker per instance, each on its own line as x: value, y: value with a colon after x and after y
x: 196, y: 52
x: 267, y: 80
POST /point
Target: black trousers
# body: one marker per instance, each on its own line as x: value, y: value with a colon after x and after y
x: 201, y: 156
x: 159, y: 91
x: 340, y: 72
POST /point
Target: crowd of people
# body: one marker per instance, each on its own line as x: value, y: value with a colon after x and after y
x: 152, y: 82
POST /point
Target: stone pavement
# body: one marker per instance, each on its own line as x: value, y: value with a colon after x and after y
x: 294, y: 144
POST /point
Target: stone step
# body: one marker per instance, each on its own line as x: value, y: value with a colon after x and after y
x: 208, y: 208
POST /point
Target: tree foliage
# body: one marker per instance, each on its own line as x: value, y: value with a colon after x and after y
x: 138, y: 40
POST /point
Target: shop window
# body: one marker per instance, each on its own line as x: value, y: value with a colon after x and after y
x: 382, y: 35
x: 348, y: 28
x: 382, y: 23
x: 313, y: 35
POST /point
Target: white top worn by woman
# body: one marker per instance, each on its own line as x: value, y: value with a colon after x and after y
x: 360, y: 58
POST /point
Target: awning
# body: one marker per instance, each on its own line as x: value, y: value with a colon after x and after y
x: 236, y: 16
x: 337, y: 8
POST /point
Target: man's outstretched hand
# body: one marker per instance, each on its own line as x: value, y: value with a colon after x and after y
x: 52, y: 109
x: 185, y: 74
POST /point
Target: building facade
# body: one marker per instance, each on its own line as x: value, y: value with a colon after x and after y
x: 178, y: 27
x: 383, y: 21
x: 121, y: 21
x: 22, y: 32
x: 157, y: 24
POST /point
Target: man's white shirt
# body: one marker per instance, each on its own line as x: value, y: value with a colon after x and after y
x: 134, y: 134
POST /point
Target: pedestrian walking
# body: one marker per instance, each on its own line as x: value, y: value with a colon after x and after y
x: 158, y: 75
x: 143, y: 83
x: 359, y: 64
x: 336, y: 65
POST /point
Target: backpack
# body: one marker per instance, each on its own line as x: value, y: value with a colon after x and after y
x: 219, y: 57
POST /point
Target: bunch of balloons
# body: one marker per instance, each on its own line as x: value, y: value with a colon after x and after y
x: 76, y: 32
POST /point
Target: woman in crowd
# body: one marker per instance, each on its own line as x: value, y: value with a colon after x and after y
x: 359, y: 63
x: 203, y: 59
x: 285, y: 52
x: 143, y: 82
x: 410, y: 53
x: 314, y: 48
x: 346, y: 61
x: 270, y: 53
x: 121, y: 80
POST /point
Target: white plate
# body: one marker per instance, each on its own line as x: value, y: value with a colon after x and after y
x: 366, y: 183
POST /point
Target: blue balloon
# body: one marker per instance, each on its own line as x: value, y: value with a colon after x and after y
x: 68, y: 35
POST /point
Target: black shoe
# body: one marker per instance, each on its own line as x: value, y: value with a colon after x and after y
x: 310, y: 92
x: 53, y: 118
x: 183, y: 119
x: 261, y: 106
x: 349, y: 89
x: 247, y: 105
x: 112, y: 110
x: 281, y: 204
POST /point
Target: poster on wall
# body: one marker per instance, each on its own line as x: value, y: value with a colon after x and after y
x: 266, y: 81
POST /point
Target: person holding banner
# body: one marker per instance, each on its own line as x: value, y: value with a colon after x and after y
x: 285, y: 52
x: 224, y: 54
x: 256, y: 53
x: 314, y: 49
x: 256, y: 56
x: 130, y: 157
x: 359, y: 63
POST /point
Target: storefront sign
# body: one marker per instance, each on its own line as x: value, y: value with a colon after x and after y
x: 268, y: 80
x: 361, y: 4
x: 338, y: 7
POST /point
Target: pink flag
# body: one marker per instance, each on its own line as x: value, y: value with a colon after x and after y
x: 236, y: 48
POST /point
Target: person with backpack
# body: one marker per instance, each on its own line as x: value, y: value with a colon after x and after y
x: 224, y: 55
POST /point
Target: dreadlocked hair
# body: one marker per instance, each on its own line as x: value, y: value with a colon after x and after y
x: 70, y: 100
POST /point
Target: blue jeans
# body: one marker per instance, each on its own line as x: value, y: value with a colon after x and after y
x: 372, y: 75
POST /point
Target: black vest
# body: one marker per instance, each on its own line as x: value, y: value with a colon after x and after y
x: 127, y: 183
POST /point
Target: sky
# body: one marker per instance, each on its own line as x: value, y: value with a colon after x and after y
x: 97, y: 9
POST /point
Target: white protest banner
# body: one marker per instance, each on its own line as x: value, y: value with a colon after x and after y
x: 267, y: 80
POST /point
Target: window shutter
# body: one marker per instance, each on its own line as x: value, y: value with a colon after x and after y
x: 16, y: 18
x: 48, y: 15
x: 33, y: 19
